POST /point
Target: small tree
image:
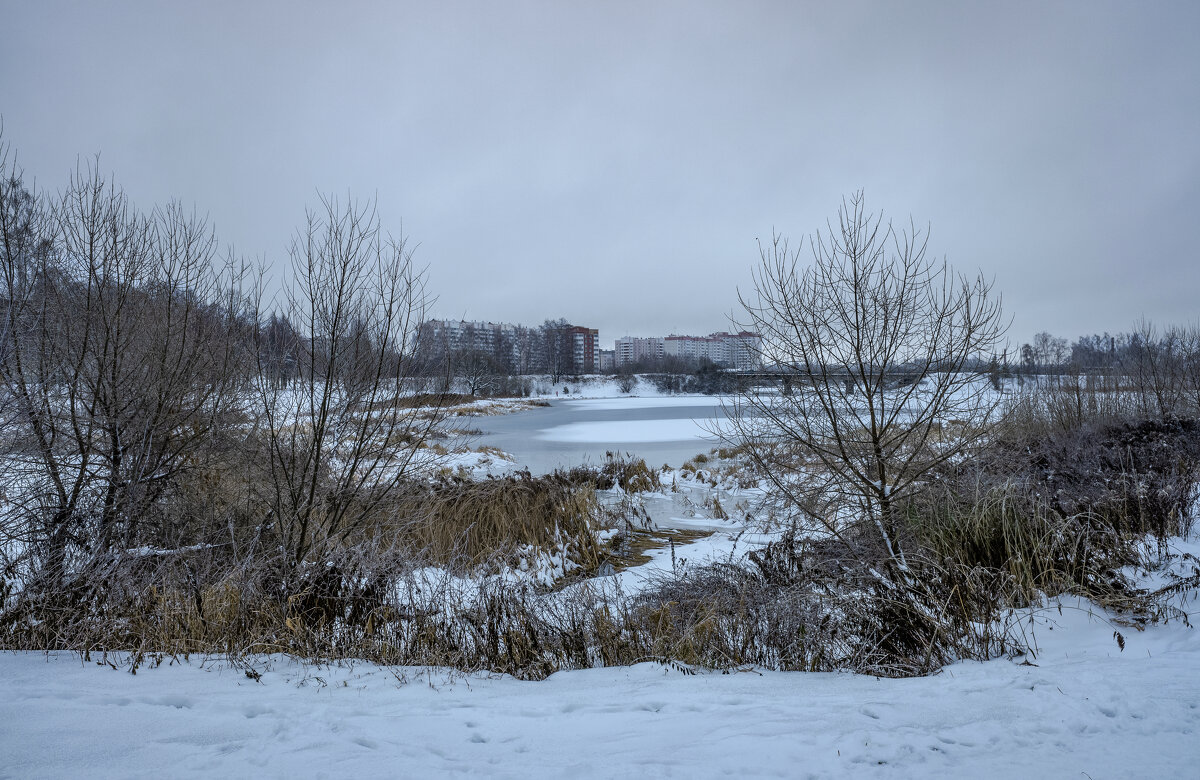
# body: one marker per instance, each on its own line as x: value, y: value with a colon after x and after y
x: 477, y: 370
x: 878, y: 339
x: 558, y: 348
x: 339, y: 438
x: 626, y: 381
x: 1050, y: 352
x: 1157, y: 365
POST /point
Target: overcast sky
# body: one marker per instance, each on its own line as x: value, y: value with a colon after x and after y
x: 615, y: 163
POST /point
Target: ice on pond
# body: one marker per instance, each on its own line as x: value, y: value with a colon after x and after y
x: 630, y: 431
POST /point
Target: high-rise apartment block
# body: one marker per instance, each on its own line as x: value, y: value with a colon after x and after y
x: 585, y: 349
x: 516, y: 348
x: 632, y: 350
x: 739, y: 351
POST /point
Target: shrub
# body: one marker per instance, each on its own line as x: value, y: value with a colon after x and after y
x: 1064, y: 512
x: 630, y: 474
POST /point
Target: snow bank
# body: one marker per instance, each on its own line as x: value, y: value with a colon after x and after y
x: 1084, y: 709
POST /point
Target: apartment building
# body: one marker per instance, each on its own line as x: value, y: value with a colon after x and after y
x: 571, y: 348
x: 743, y: 350
x: 585, y: 349
x: 630, y: 349
x: 498, y: 339
x: 739, y: 351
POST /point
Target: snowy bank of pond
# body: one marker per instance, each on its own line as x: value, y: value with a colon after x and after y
x: 1083, y: 708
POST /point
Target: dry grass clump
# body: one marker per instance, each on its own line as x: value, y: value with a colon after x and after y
x: 815, y: 606
x: 631, y: 546
x: 456, y: 520
x: 1065, y: 512
x: 728, y: 466
x: 376, y: 608
x: 630, y: 474
x: 369, y: 594
x: 1021, y: 536
x: 369, y: 598
x: 424, y: 400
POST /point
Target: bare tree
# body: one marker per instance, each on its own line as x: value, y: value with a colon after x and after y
x: 879, y: 340
x: 478, y: 370
x: 1050, y: 351
x: 1191, y: 365
x: 558, y: 348
x: 1157, y: 365
x: 626, y: 380
x: 340, y: 437
x: 121, y: 358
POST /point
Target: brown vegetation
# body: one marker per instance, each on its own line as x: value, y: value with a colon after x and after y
x: 192, y: 470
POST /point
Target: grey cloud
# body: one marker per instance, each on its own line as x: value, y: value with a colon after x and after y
x: 613, y: 164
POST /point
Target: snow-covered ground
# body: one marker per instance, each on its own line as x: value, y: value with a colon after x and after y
x: 1085, y: 709
x: 1081, y: 707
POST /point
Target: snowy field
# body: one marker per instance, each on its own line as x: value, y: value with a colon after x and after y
x: 1079, y: 707
x: 1086, y: 709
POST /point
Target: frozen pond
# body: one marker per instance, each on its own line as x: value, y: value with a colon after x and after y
x: 570, y: 433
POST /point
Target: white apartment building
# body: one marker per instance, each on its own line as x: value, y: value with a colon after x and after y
x: 739, y: 351
x: 630, y: 350
x: 743, y: 350
x: 464, y: 334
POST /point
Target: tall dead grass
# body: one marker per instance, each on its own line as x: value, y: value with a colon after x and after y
x: 1065, y: 511
x: 630, y: 474
x: 454, y: 520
